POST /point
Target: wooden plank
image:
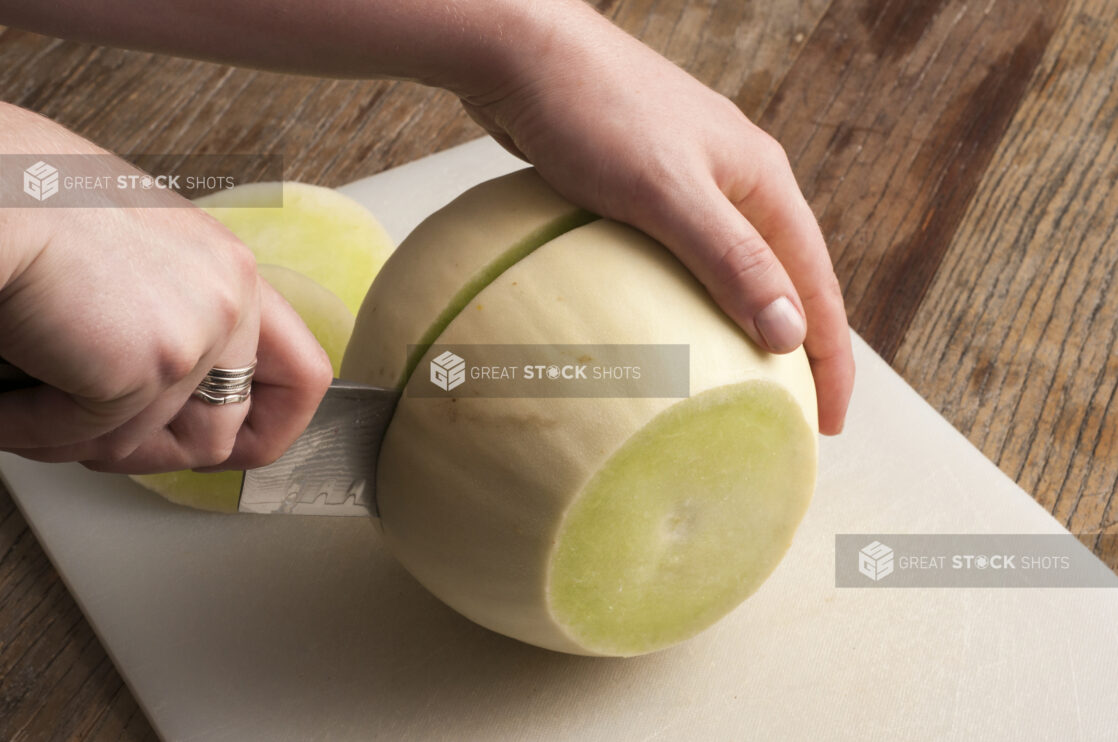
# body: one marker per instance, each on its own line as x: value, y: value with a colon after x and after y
x: 54, y: 674
x: 1016, y: 341
x: 744, y: 49
x: 890, y: 117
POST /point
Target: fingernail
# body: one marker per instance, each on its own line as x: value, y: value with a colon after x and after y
x: 781, y: 325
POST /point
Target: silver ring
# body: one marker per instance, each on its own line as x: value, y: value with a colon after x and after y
x: 223, y: 386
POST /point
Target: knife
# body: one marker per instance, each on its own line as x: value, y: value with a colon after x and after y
x: 330, y: 469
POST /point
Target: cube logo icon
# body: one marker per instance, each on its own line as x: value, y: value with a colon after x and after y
x: 40, y: 181
x: 448, y: 371
x: 875, y: 561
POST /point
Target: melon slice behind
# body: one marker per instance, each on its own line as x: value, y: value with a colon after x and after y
x: 323, y: 234
x: 324, y: 314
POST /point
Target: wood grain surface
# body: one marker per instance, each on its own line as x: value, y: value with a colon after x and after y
x: 962, y: 158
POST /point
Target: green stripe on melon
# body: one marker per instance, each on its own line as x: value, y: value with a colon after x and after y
x: 444, y: 263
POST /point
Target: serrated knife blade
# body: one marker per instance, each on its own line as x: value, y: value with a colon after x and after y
x: 330, y: 469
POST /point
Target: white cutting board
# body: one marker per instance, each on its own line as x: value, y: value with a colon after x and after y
x: 294, y: 628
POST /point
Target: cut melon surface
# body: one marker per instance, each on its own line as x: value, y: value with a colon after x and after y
x: 482, y: 498
x: 318, y: 232
x: 324, y: 314
x: 683, y: 522
x: 218, y: 492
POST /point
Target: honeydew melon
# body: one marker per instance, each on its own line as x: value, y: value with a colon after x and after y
x: 317, y: 230
x: 218, y: 492
x: 447, y: 260
x: 324, y: 314
x: 598, y: 526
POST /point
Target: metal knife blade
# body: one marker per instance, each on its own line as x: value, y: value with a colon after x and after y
x: 330, y: 469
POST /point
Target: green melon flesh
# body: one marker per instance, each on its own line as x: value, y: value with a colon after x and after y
x: 318, y: 232
x: 325, y: 315
x: 219, y: 492
x: 683, y: 522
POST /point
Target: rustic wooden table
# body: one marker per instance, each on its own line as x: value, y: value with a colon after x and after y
x: 961, y: 156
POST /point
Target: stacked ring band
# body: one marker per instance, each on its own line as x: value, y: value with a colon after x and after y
x: 226, y: 385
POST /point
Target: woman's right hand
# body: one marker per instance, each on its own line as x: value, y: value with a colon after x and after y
x: 120, y: 311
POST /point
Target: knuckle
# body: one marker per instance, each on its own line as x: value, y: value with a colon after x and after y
x: 320, y: 371
x: 234, y: 294
x: 828, y: 291
x: 655, y: 186
x: 262, y: 452
x: 215, y: 451
x: 175, y: 363
x: 747, y: 263
x: 227, y: 308
x: 733, y: 113
x: 243, y: 269
x: 769, y: 152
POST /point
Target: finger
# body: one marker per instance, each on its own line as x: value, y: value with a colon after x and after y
x: 202, y: 435
x: 175, y: 431
x: 731, y: 258
x: 194, y: 433
x: 777, y: 208
x: 136, y: 447
x: 43, y: 416
x: 292, y: 375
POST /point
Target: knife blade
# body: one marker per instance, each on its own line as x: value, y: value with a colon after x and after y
x: 330, y: 469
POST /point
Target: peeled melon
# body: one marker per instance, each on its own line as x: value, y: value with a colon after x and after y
x: 450, y: 257
x: 599, y: 526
